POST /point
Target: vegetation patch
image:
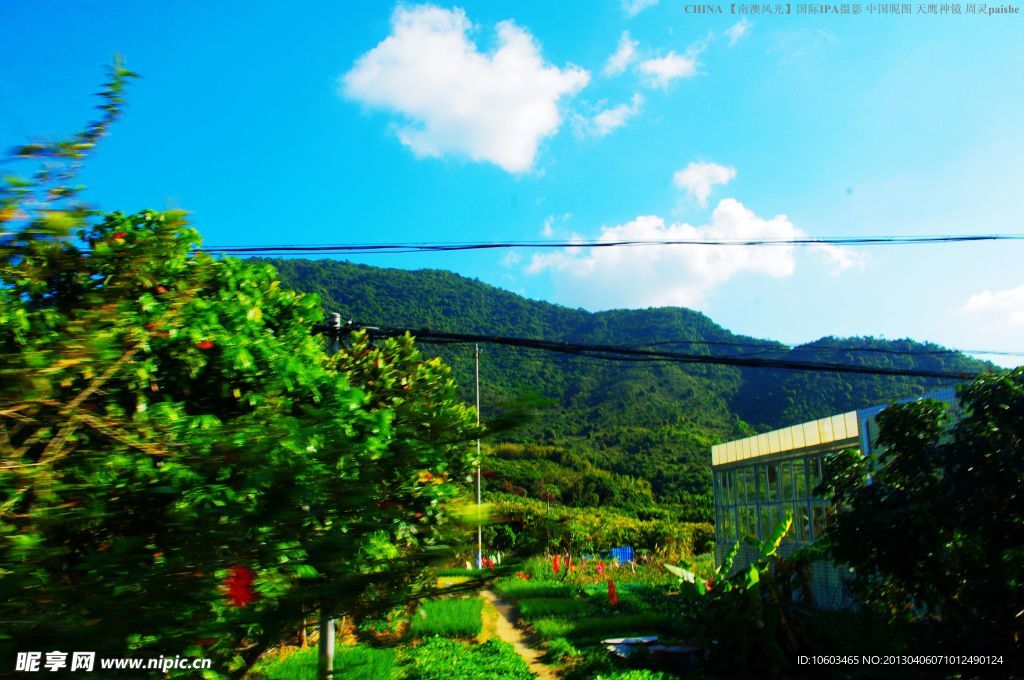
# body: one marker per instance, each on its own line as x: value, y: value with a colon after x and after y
x: 441, y: 659
x: 522, y: 589
x: 537, y: 607
x: 365, y: 663
x: 596, y: 628
x: 454, y: 617
x: 561, y: 650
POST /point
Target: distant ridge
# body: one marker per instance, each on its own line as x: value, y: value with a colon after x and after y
x: 656, y: 422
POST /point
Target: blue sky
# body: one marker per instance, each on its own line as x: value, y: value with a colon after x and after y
x: 366, y: 121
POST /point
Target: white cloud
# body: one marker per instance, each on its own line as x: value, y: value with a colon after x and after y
x: 841, y: 258
x: 553, y: 221
x: 998, y: 309
x: 510, y: 259
x: 605, y: 121
x: 624, y: 55
x: 643, y: 276
x: 659, y: 72
x: 454, y: 99
x: 993, y: 320
x: 634, y: 7
x: 737, y: 31
x: 697, y: 178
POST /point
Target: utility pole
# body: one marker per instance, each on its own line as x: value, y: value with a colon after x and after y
x: 325, y: 646
x: 479, y: 518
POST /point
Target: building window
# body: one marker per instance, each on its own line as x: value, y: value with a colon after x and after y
x: 773, y: 482
x: 787, y: 480
x: 817, y: 522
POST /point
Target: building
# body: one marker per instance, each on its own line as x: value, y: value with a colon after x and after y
x: 758, y: 478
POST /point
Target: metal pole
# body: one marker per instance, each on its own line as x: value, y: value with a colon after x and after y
x: 325, y: 646
x: 325, y: 670
x: 479, y: 513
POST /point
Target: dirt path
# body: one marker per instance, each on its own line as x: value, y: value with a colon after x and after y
x: 506, y: 630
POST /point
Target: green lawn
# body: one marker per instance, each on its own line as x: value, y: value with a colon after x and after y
x: 365, y: 663
x: 452, y: 617
x: 440, y: 659
x: 434, y: 659
x: 592, y: 629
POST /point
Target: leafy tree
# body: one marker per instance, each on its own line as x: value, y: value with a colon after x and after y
x: 185, y: 469
x: 933, y: 525
x: 744, y: 619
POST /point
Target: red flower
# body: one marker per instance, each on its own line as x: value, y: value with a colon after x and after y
x: 161, y: 290
x: 204, y: 345
x: 600, y: 567
x: 613, y: 597
x: 554, y: 564
x: 239, y: 585
x: 709, y: 584
x: 120, y: 234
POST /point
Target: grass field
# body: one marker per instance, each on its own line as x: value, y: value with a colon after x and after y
x: 365, y: 663
x: 452, y: 617
x: 433, y: 659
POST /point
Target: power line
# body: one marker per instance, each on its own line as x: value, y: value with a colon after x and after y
x: 768, y: 347
x: 454, y: 246
x: 623, y: 353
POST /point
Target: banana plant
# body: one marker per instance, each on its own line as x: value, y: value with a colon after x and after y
x: 723, y: 580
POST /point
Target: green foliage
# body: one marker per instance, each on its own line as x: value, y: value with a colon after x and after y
x: 539, y: 528
x: 168, y: 419
x: 641, y: 674
x: 595, y: 628
x: 452, y: 617
x: 537, y: 607
x: 519, y: 589
x: 779, y: 398
x: 744, y: 619
x: 560, y: 650
x: 365, y: 663
x: 933, y: 525
x: 616, y: 427
x: 442, y: 659
x: 462, y: 571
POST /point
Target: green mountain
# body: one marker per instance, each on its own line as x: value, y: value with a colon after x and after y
x: 612, y: 425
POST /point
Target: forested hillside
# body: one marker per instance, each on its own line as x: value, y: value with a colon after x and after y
x: 607, y: 423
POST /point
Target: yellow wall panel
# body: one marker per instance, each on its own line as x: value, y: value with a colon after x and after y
x: 786, y: 438
x: 852, y: 430
x: 838, y: 427
x: 811, y: 435
x: 825, y: 434
x: 824, y: 431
